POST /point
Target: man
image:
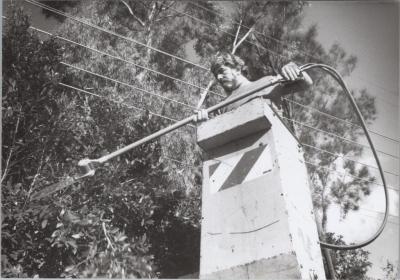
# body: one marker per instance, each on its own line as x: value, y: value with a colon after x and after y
x: 229, y: 70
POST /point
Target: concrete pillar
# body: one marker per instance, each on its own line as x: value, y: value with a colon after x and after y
x: 258, y: 219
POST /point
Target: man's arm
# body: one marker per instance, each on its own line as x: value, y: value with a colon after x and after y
x: 295, y: 81
x: 300, y: 80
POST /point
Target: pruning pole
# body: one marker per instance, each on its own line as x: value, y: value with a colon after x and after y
x: 88, y: 166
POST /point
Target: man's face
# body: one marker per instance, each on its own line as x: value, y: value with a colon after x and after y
x: 228, y: 78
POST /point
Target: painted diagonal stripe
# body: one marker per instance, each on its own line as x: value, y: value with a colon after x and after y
x: 242, y: 168
x: 222, y: 172
x: 212, y: 168
x: 262, y: 166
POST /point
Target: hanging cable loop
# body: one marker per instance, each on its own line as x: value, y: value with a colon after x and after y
x: 332, y: 72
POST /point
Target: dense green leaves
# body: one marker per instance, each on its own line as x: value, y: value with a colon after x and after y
x: 352, y: 264
x: 124, y: 222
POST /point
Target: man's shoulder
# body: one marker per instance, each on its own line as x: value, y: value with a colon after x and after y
x: 256, y: 84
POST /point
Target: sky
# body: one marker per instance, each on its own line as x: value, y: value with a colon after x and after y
x: 369, y: 30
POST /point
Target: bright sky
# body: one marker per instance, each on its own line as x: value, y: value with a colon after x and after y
x: 371, y: 32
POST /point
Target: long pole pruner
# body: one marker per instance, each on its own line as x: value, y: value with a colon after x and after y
x: 88, y: 166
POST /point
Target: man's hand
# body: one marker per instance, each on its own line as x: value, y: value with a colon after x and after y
x: 202, y: 115
x: 291, y: 72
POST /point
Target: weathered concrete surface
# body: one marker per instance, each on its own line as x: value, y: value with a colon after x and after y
x: 282, y: 266
x: 231, y: 126
x: 297, y: 196
x: 256, y: 203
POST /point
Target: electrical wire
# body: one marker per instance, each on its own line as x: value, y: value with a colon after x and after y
x: 288, y: 46
x: 345, y: 157
x: 185, y: 82
x: 223, y: 31
x: 43, y: 6
x: 280, y: 42
x: 339, y: 119
x: 373, y: 217
x: 255, y: 31
x: 376, y: 211
x: 337, y: 136
x: 128, y: 85
x: 119, y: 102
x: 332, y: 72
x: 328, y: 151
x: 160, y: 72
x: 108, y: 78
x: 132, y: 40
x: 347, y: 174
x: 123, y: 60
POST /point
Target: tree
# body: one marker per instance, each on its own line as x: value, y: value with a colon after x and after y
x: 46, y: 130
x: 352, y: 264
x: 31, y: 122
x: 391, y: 271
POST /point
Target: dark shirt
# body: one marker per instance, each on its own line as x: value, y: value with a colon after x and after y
x: 274, y: 93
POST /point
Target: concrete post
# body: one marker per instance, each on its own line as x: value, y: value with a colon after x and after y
x: 258, y: 219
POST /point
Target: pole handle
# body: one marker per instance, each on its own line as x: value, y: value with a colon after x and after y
x: 178, y: 124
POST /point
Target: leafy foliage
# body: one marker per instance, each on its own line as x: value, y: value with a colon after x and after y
x: 124, y: 222
x: 352, y: 264
x: 391, y: 270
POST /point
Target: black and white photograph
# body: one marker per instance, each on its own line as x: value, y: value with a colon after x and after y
x: 165, y: 139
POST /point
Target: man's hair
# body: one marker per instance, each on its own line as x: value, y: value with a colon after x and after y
x: 227, y: 59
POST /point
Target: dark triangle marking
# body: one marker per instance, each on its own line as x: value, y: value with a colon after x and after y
x: 212, y: 168
x: 242, y: 168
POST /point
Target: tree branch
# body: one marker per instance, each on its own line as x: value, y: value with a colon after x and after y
x: 132, y: 13
x: 35, y: 177
x: 11, y: 149
x: 243, y: 38
x: 165, y: 7
x: 107, y: 238
x: 167, y: 16
x: 204, y: 94
x: 237, y: 34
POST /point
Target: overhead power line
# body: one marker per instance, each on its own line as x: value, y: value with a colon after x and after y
x: 59, y: 12
x: 346, y: 174
x: 255, y: 31
x: 293, y: 47
x: 291, y: 101
x: 339, y: 119
x: 128, y: 85
x: 137, y: 42
x: 223, y: 31
x: 337, y: 136
x: 136, y: 87
x: 35, y: 3
x: 344, y: 157
x: 322, y: 131
x: 108, y: 78
x: 123, y: 60
x: 390, y: 222
x: 119, y: 102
